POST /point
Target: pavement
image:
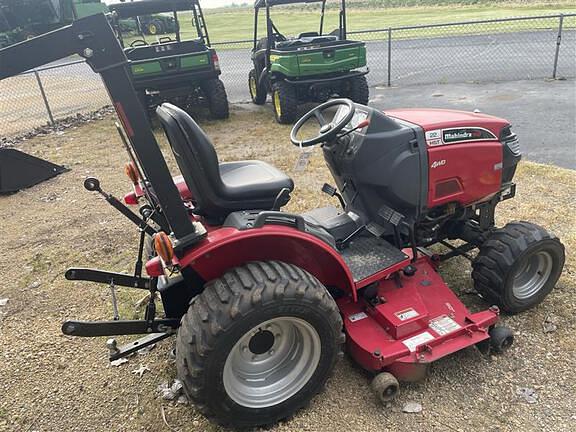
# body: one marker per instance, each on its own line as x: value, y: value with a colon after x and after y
x: 543, y: 113
x: 458, y: 58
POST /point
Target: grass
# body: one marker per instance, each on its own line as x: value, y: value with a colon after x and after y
x: 237, y: 24
x: 57, y: 224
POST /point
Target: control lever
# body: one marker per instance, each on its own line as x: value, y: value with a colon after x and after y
x: 93, y: 185
x: 360, y: 125
x: 333, y: 192
x: 281, y: 199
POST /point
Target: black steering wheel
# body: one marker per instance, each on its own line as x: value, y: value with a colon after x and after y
x: 328, y: 130
x: 138, y: 42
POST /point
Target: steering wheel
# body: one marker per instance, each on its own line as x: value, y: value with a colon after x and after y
x: 328, y: 130
x: 138, y: 42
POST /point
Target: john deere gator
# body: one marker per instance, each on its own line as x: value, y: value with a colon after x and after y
x: 313, y: 66
x: 178, y: 67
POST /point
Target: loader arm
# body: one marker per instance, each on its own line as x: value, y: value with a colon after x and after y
x: 93, y: 39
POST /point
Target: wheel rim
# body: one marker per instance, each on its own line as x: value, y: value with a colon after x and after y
x: 253, y: 89
x: 152, y: 29
x: 532, y: 275
x: 277, y: 106
x: 272, y: 362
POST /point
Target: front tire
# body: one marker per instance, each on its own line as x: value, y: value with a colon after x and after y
x: 517, y: 266
x: 285, y: 102
x: 217, y: 98
x: 257, y: 92
x: 258, y: 344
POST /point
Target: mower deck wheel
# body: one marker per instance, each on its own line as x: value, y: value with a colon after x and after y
x: 385, y: 387
x: 517, y: 266
x: 258, y: 343
x: 501, y: 338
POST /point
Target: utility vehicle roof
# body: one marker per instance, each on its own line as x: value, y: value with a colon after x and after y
x: 262, y: 3
x: 149, y: 7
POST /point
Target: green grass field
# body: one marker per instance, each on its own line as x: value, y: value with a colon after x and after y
x: 230, y: 24
x: 235, y: 24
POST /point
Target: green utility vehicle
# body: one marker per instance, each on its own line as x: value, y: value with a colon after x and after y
x: 311, y: 67
x: 172, y: 67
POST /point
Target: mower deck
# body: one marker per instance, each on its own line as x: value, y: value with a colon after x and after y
x: 410, y: 321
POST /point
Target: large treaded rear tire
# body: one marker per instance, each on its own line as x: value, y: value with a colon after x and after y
x: 257, y: 92
x: 285, y: 102
x: 503, y: 259
x: 230, y: 308
x: 359, y: 91
x: 217, y: 98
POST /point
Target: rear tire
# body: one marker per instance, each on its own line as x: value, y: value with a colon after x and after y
x: 517, y: 266
x: 359, y: 91
x: 217, y: 98
x: 257, y: 92
x: 268, y: 321
x: 285, y: 102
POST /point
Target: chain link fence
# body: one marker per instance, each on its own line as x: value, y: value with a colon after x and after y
x: 479, y: 51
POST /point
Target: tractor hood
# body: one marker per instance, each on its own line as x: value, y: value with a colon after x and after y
x: 441, y: 119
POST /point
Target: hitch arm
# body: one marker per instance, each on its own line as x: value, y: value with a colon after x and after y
x: 118, y: 328
x: 104, y: 277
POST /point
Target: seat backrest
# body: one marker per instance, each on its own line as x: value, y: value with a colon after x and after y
x: 195, y: 156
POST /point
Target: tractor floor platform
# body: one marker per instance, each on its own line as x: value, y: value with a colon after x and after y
x: 368, y: 255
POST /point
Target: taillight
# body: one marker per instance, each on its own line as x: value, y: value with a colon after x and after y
x: 163, y: 247
x: 154, y: 267
x: 216, y: 61
x: 132, y: 172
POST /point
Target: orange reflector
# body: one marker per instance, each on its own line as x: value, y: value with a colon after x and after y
x: 132, y: 172
x: 163, y: 247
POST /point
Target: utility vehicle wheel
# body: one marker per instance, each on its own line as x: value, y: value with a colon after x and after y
x: 385, y: 386
x: 285, y: 102
x: 258, y: 93
x: 358, y: 90
x: 517, y: 266
x: 154, y: 28
x: 501, y: 338
x: 217, y: 98
x: 258, y: 344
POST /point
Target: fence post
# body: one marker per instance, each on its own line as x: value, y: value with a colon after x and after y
x: 558, y: 41
x: 43, y: 93
x: 389, y: 56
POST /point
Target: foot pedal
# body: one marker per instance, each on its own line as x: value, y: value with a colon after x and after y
x: 333, y: 192
x: 390, y: 215
x: 329, y: 189
x: 375, y: 229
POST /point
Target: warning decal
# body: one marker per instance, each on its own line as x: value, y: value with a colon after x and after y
x: 357, y: 316
x: 443, y: 325
x: 406, y: 314
x: 417, y: 340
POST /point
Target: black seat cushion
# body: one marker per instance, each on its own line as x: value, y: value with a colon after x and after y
x: 218, y: 189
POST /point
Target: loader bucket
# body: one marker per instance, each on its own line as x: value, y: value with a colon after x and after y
x: 19, y: 170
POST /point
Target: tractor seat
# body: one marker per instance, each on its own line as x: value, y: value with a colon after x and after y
x: 219, y: 188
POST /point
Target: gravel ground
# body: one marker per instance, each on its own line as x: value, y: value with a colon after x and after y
x: 50, y: 382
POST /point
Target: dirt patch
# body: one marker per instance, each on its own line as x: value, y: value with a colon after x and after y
x: 50, y: 382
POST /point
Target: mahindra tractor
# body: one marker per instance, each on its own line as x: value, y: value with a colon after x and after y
x: 262, y: 301
x: 313, y: 66
x: 167, y: 64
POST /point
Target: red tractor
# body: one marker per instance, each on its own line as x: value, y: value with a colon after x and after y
x: 262, y: 302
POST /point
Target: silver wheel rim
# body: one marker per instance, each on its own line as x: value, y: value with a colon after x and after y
x: 533, y: 275
x: 272, y: 362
